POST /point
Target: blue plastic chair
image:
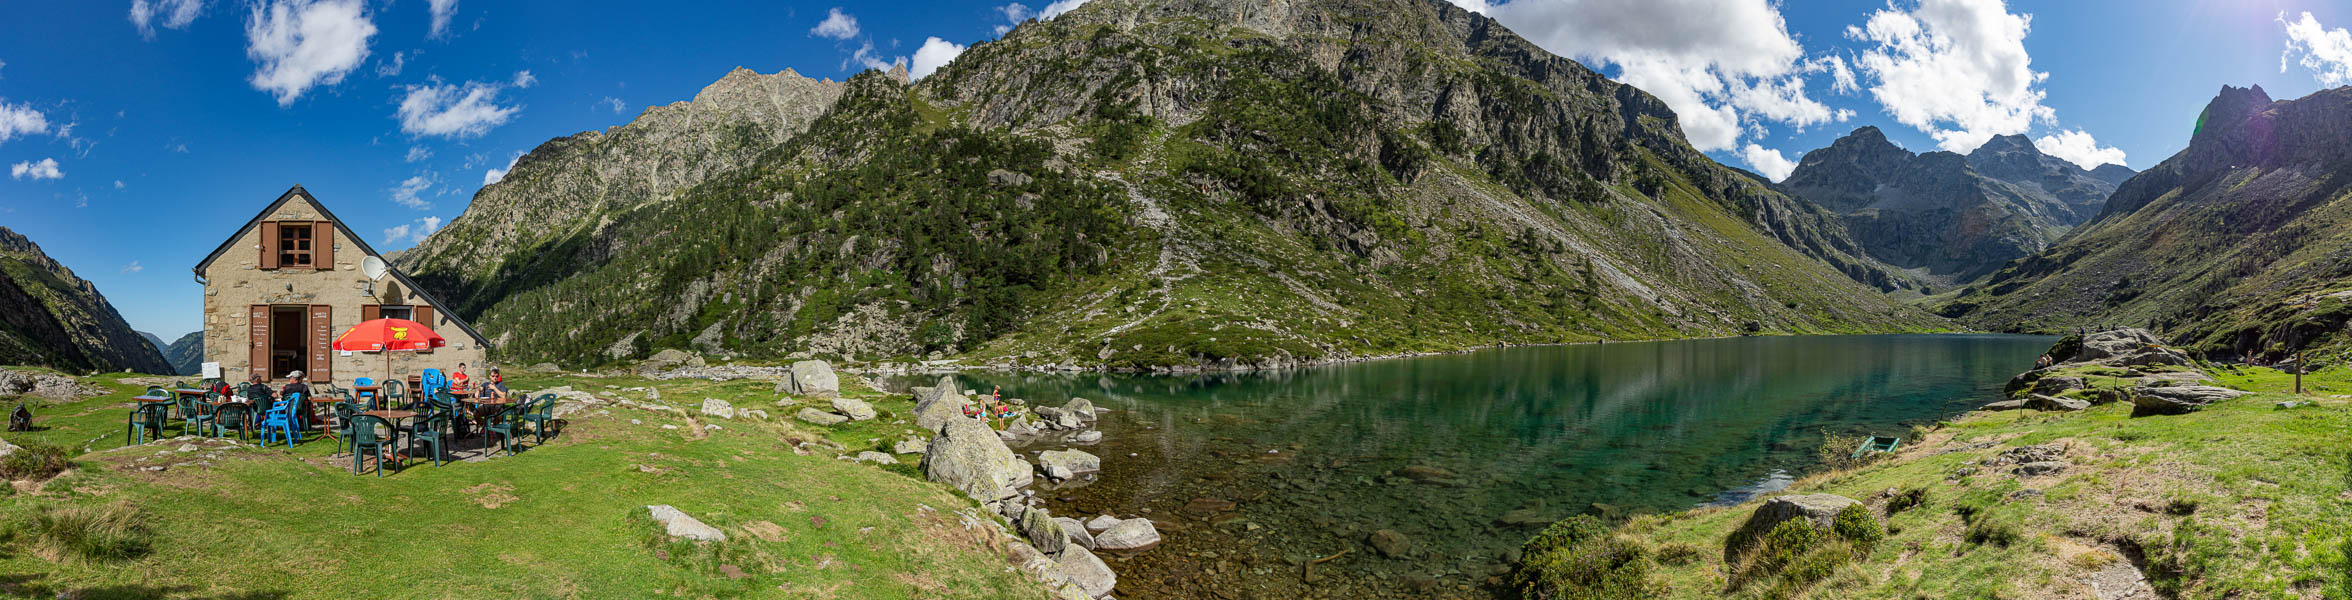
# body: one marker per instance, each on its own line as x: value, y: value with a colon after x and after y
x: 366, y: 398
x: 280, y: 418
x: 431, y: 381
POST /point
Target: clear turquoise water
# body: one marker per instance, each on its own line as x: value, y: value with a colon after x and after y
x: 1310, y: 458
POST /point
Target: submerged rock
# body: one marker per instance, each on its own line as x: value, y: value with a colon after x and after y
x: 1386, y: 541
x: 1088, y: 571
x: 1064, y: 464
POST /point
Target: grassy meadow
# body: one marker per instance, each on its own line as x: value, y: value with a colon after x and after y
x: 2241, y: 500
x: 563, y: 519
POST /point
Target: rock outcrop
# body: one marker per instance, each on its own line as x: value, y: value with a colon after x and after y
x: 678, y: 523
x: 814, y: 378
x: 1821, y: 509
x: 967, y: 456
x: 2178, y: 399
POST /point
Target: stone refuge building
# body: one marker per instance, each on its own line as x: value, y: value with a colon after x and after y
x: 280, y: 289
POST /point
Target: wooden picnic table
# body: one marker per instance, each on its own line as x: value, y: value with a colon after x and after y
x: 154, y: 399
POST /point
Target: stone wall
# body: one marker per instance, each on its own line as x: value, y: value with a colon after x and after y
x: 235, y: 282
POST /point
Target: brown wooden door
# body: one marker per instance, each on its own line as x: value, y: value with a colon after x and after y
x: 258, y: 329
x: 322, y: 342
x: 424, y: 315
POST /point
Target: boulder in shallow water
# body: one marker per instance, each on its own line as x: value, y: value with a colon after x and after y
x: 1131, y: 535
x: 1041, y: 530
x: 1087, y: 437
x: 1077, y: 532
x: 1080, y: 406
x: 1088, y: 571
x: 1101, y: 523
x: 1068, y: 463
x: 967, y: 456
x: 1821, y: 509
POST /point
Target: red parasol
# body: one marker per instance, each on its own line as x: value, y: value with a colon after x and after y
x: 389, y: 335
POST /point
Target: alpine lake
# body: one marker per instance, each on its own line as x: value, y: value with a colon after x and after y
x: 1255, y: 478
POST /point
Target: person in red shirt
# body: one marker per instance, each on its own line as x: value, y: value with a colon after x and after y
x: 458, y: 381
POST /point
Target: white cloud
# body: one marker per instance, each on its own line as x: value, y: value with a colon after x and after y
x: 118, y: 184
x: 412, y: 232
x: 177, y: 14
x: 389, y: 68
x: 21, y: 119
x: 866, y: 57
x: 499, y: 174
x: 1056, y: 9
x: 934, y: 54
x: 2326, y: 52
x: 442, y: 10
x: 41, y: 169
x: 618, y: 107
x: 1014, y: 14
x: 1767, y: 162
x: 524, y: 79
x: 304, y: 43
x: 2076, y: 146
x: 837, y: 25
x: 409, y: 191
x: 1955, y: 69
x: 417, y: 153
x: 133, y: 267
x: 1725, y: 66
x: 455, y: 111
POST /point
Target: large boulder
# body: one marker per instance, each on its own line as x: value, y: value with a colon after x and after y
x: 2127, y: 347
x: 675, y: 522
x: 2178, y: 399
x: 2053, y: 386
x: 940, y: 411
x: 2003, y: 405
x: 1132, y: 535
x: 819, y: 417
x: 814, y: 378
x: 1080, y: 406
x: 669, y: 359
x: 925, y: 396
x: 1821, y: 509
x: 1076, y: 531
x: 1088, y: 571
x: 1064, y: 464
x: 718, y: 408
x: 855, y: 409
x: 1042, y: 531
x: 2054, y: 403
x: 967, y: 456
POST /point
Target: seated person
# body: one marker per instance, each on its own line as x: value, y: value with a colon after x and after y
x: 495, y: 387
x: 294, y: 385
x: 458, y: 381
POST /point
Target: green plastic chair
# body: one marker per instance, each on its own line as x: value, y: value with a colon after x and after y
x: 363, y: 437
x: 238, y: 416
x: 395, y: 393
x: 144, y: 419
x: 538, y: 413
x: 199, y: 422
x: 503, y: 424
x: 427, y: 431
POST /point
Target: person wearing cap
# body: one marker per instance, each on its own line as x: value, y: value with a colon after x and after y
x: 294, y: 385
x: 495, y: 385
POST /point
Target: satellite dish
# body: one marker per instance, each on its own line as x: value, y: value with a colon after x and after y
x: 373, y: 268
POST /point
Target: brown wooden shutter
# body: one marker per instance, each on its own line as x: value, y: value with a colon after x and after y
x: 269, y: 244
x: 322, y: 342
x: 370, y: 312
x: 424, y: 314
x: 257, y: 328
x: 322, y: 245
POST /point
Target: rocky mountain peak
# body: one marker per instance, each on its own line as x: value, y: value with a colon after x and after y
x: 49, y: 317
x: 18, y: 246
x: 2113, y: 174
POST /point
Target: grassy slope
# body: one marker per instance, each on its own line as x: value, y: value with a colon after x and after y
x: 2240, y: 500
x: 562, y: 520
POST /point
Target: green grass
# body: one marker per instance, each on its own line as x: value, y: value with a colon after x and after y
x: 2242, y: 499
x: 565, y: 519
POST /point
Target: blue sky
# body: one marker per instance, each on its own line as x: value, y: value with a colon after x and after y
x: 139, y: 134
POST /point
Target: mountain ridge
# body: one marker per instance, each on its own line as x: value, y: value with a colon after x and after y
x: 51, y: 318
x: 1213, y: 195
